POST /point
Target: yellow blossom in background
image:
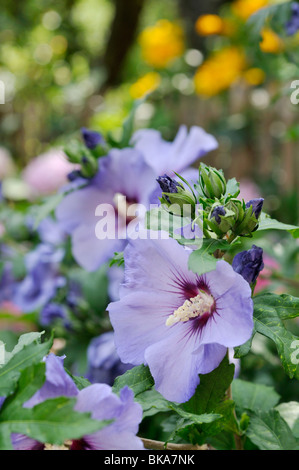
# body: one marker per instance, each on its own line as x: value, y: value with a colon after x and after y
x: 219, y: 71
x: 207, y: 25
x: 245, y: 8
x: 162, y: 43
x: 254, y: 76
x: 271, y: 42
x: 145, y: 84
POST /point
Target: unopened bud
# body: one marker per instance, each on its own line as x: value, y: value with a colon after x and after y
x: 92, y: 138
x: 252, y: 213
x: 212, y: 182
x: 174, y: 194
x: 249, y: 263
x: 221, y: 219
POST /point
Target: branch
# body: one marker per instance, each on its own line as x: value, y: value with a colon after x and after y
x: 158, y: 445
x: 122, y: 36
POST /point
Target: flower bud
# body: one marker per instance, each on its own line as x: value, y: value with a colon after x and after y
x: 89, y: 165
x: 257, y: 205
x: 168, y: 185
x: 212, y: 182
x: 221, y: 219
x: 175, y: 196
x: 249, y: 223
x: 92, y: 138
x: 73, y: 151
x: 249, y: 263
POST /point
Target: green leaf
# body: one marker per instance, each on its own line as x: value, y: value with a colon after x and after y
x: 159, y: 219
x: 195, y: 418
x: 244, y: 349
x: 94, y: 287
x: 252, y: 396
x: 212, y: 388
x: 201, y: 262
x: 139, y: 380
x: 210, y: 399
x: 24, y: 340
x: 232, y: 188
x: 44, y: 210
x: 128, y: 125
x: 29, y: 318
x: 153, y: 402
x: 290, y: 413
x: 80, y: 382
x: 286, y: 306
x: 52, y: 421
x: 117, y: 259
x: 270, y: 311
x: 267, y: 223
x: 267, y: 321
x: 269, y: 431
x: 24, y: 355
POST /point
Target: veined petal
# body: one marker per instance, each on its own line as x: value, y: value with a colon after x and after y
x: 139, y: 320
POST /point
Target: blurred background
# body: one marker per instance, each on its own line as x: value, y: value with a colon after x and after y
x: 231, y: 67
x: 83, y: 63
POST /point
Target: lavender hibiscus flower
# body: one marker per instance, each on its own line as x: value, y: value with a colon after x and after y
x: 104, y: 364
x: 123, y: 173
x: 7, y: 282
x: 132, y: 173
x: 178, y: 323
x: 176, y: 156
x: 97, y: 399
x: 42, y: 279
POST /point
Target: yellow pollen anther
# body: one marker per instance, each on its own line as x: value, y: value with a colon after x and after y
x: 192, y: 308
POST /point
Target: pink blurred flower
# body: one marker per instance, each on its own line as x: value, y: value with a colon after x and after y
x: 248, y: 190
x: 48, y: 172
x: 264, y: 279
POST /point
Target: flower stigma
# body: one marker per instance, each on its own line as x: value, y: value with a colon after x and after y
x: 197, y: 306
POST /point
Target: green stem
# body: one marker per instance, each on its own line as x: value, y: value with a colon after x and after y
x: 159, y: 445
x: 231, y: 238
x: 229, y: 396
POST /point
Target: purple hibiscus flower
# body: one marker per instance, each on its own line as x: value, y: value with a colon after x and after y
x: 97, y: 399
x: 7, y: 282
x: 115, y: 278
x: 50, y: 232
x: 104, y: 365
x: 178, y: 323
x: 176, y: 156
x: 42, y: 279
x: 132, y: 173
x: 122, y: 174
x: 53, y: 312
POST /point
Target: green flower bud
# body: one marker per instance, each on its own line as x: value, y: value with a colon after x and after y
x: 174, y: 195
x: 221, y: 219
x: 79, y: 154
x: 89, y: 165
x: 249, y: 223
x: 212, y: 182
x: 74, y: 151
